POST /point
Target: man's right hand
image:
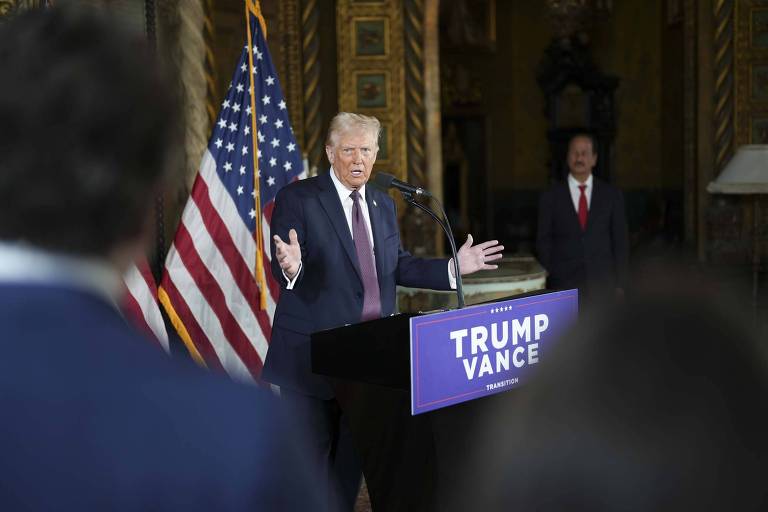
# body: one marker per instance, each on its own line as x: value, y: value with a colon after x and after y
x: 288, y: 254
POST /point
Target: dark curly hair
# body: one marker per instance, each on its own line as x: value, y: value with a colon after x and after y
x: 86, y: 122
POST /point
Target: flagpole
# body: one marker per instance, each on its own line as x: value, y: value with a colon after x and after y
x: 261, y: 279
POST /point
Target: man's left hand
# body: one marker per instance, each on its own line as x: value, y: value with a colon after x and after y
x: 474, y: 258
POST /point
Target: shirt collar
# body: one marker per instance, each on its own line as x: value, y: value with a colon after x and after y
x: 343, y: 191
x: 24, y: 264
x: 574, y: 183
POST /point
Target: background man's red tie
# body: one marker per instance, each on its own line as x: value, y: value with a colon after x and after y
x: 583, y: 207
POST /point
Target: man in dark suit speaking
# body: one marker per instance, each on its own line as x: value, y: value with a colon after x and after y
x: 336, y: 250
x: 582, y: 233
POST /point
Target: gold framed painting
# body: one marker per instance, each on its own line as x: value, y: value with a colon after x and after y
x: 372, y: 90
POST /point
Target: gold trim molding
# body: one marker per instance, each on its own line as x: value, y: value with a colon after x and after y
x: 10, y: 7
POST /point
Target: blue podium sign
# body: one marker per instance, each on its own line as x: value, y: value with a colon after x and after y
x: 469, y: 353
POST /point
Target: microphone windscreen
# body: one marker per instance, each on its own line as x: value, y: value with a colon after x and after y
x: 383, y: 180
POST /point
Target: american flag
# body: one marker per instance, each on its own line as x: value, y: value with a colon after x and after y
x: 140, y: 303
x: 211, y: 285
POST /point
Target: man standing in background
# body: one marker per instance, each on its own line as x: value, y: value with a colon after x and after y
x: 582, y: 238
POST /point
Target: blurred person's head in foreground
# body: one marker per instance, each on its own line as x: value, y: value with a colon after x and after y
x: 657, y: 404
x: 86, y: 126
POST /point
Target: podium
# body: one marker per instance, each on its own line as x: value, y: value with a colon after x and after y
x: 416, y: 462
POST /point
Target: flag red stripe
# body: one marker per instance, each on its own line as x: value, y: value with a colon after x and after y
x: 201, y: 341
x: 274, y: 286
x: 133, y: 312
x: 242, y: 275
x: 143, y: 267
x: 213, y: 294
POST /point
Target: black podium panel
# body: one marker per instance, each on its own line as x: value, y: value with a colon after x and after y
x: 374, y: 352
x: 411, y: 463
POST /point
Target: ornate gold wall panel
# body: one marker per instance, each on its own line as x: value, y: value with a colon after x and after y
x: 371, y: 73
x: 751, y: 64
x: 11, y: 7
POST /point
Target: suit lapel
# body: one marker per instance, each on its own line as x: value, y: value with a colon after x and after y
x: 329, y: 199
x: 596, y: 204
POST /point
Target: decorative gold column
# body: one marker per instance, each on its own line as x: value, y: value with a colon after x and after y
x: 288, y: 67
x: 312, y: 94
x: 724, y: 87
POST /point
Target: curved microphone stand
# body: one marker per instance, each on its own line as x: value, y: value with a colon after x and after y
x: 448, y: 233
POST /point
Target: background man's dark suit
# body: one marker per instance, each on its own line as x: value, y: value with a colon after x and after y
x: 95, y: 417
x: 593, y: 260
x: 329, y: 289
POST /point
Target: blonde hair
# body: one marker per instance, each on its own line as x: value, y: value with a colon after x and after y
x: 346, y: 122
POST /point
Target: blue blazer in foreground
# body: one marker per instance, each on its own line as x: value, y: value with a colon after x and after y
x: 96, y: 417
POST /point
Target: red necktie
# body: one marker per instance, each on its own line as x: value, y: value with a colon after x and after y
x: 583, y: 207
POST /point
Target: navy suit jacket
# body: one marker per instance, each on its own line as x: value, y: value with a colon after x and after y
x: 329, y: 290
x: 594, y: 259
x: 97, y: 417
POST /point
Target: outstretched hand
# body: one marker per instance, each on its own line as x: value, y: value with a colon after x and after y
x: 474, y: 258
x: 288, y: 254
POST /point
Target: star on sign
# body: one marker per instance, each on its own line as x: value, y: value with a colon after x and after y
x: 227, y: 166
x: 240, y: 190
x: 272, y: 162
x: 243, y: 67
x: 287, y: 166
x: 247, y: 130
x: 281, y: 104
x: 279, y: 124
x: 222, y: 123
x: 218, y: 143
x: 270, y: 80
x: 259, y: 55
x: 252, y: 213
x: 242, y: 170
x: 248, y: 110
x: 261, y: 136
x: 291, y: 147
x: 258, y: 153
x: 262, y: 119
x: 236, y: 107
x: 266, y: 100
x: 225, y: 105
x: 275, y: 142
x: 245, y: 150
x: 230, y: 147
x: 232, y: 127
x: 271, y: 181
x: 240, y: 87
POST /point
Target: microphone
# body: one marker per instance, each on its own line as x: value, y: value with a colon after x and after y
x: 386, y: 181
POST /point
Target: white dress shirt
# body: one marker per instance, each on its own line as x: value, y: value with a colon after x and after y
x: 21, y: 263
x: 573, y: 186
